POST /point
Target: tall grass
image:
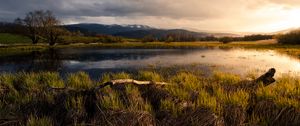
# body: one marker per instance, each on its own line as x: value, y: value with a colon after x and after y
x: 34, y: 121
x: 286, y: 92
x: 185, y: 100
x: 79, y: 80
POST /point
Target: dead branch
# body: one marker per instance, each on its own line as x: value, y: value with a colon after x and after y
x: 129, y: 81
x: 266, y: 79
x: 117, y: 82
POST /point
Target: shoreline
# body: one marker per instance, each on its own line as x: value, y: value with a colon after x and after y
x: 293, y: 50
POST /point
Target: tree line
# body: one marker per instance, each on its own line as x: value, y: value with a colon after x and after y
x: 292, y: 37
x: 255, y: 37
x: 191, y: 38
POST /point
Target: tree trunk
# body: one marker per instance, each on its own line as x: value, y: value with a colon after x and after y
x: 51, y: 43
x: 34, y: 40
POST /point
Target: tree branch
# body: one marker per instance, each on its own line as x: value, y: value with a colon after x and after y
x: 117, y: 82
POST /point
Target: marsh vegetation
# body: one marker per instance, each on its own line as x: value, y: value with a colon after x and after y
x: 190, y: 98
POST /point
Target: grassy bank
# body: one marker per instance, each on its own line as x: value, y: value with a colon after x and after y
x: 293, y: 50
x: 189, y: 99
x: 6, y: 38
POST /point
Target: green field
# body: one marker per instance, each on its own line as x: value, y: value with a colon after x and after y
x: 6, y: 38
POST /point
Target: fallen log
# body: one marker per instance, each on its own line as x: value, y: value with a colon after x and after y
x: 129, y: 81
x: 116, y: 82
x: 265, y: 79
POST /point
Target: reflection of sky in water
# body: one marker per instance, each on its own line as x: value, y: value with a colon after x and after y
x: 236, y: 60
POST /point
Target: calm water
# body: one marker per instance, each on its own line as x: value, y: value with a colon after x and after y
x: 98, y: 61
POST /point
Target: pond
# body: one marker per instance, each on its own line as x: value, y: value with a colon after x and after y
x: 98, y: 61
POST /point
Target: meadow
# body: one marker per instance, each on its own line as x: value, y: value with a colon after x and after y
x: 6, y: 38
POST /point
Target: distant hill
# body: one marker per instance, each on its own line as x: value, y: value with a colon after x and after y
x: 225, y: 35
x: 105, y: 29
x: 160, y: 33
x: 131, y: 31
x: 215, y: 34
x: 285, y: 31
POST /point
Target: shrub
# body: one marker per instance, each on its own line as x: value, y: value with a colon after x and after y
x: 292, y: 37
x: 226, y: 40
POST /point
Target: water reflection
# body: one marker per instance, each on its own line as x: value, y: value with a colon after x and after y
x: 45, y: 61
x: 97, y: 61
x: 49, y: 60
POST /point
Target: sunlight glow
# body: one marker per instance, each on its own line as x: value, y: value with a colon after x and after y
x: 276, y: 18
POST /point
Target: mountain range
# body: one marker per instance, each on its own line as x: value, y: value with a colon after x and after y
x: 137, y: 31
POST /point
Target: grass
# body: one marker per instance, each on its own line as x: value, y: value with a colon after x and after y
x: 285, y: 93
x: 293, y: 50
x: 33, y: 121
x: 6, y: 38
x: 79, y: 80
x: 189, y: 99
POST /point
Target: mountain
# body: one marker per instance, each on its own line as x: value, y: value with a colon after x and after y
x: 218, y: 35
x: 105, y: 29
x: 138, y: 31
x: 161, y: 33
x: 215, y: 33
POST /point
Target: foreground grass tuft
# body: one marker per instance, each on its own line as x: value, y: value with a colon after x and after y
x: 189, y: 99
x: 79, y: 80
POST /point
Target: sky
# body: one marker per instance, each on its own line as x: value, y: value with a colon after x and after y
x: 203, y: 15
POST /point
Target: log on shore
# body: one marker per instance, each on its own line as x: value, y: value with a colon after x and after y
x: 115, y: 82
x: 266, y: 79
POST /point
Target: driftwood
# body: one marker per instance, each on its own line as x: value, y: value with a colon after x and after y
x: 117, y: 82
x: 265, y: 79
x: 129, y: 81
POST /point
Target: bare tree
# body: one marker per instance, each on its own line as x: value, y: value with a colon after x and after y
x: 51, y: 28
x: 33, y: 23
x: 41, y: 24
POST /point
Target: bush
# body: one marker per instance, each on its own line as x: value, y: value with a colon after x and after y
x: 292, y: 37
x: 225, y: 40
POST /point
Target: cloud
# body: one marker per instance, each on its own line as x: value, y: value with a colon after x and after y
x: 165, y: 8
x: 295, y: 3
x: 231, y: 15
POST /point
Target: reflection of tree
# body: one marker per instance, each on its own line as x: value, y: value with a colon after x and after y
x: 45, y: 61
